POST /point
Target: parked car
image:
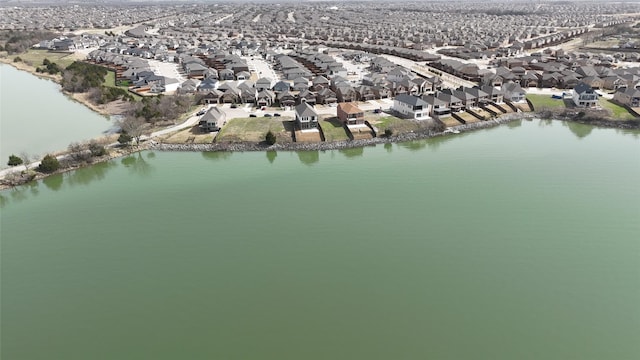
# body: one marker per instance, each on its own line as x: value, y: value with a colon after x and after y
x: 252, y: 115
x: 276, y: 114
x: 267, y: 115
x: 201, y: 112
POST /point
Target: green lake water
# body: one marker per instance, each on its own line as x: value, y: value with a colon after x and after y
x: 516, y: 242
x: 35, y: 117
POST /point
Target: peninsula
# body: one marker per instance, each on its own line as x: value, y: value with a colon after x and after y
x: 225, y: 77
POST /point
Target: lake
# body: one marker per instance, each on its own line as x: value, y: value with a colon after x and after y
x: 516, y: 242
x: 37, y: 118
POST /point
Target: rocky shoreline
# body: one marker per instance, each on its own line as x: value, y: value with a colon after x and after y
x: 336, y: 145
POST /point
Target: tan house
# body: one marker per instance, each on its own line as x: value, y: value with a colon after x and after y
x: 350, y: 113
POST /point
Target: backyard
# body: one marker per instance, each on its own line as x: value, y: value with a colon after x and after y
x: 545, y: 101
x: 255, y: 129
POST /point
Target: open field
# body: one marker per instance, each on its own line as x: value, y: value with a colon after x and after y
x: 544, y: 101
x: 618, y: 112
x: 333, y: 129
x: 191, y: 136
x: 254, y: 129
x: 36, y: 57
x: 397, y: 125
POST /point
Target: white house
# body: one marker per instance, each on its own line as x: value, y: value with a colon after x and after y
x: 306, y: 116
x: 584, y: 96
x: 412, y: 107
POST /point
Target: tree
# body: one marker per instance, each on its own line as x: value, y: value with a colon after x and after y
x: 26, y: 159
x: 388, y: 132
x: 17, y: 59
x: 14, y: 160
x: 49, y: 164
x: 270, y: 138
x: 134, y: 127
x: 97, y: 149
x: 124, y: 139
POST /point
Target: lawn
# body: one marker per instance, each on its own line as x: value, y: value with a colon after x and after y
x: 333, y: 130
x: 545, y: 101
x: 35, y: 58
x: 254, y: 129
x: 618, y: 112
x: 397, y: 125
x: 192, y: 136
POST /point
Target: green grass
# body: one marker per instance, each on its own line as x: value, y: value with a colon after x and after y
x: 252, y: 129
x: 333, y: 130
x: 35, y: 58
x: 545, y: 101
x: 618, y: 112
x: 397, y: 125
x: 110, y: 79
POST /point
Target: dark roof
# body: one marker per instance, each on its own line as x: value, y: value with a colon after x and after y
x: 411, y: 100
x: 305, y: 109
x: 582, y: 88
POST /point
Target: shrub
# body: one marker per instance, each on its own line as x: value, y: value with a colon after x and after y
x: 124, y: 139
x: 49, y: 164
x: 270, y: 138
x: 97, y: 149
x: 14, y: 160
x: 388, y: 132
x: 17, y: 59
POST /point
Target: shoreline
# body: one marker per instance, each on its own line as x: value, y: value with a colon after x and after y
x: 152, y: 144
x: 77, y: 97
x: 319, y: 146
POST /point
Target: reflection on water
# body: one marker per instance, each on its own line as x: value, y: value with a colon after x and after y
x: 85, y: 176
x: 271, y: 155
x: 138, y: 165
x: 216, y: 155
x: 579, y: 130
x: 413, y: 145
x: 388, y: 147
x: 514, y: 124
x: 353, y: 152
x: 309, y: 157
x: 53, y: 182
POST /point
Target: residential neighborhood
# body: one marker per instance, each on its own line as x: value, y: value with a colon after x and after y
x: 430, y: 63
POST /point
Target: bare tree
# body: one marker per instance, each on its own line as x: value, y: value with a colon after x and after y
x: 27, y: 159
x: 134, y: 127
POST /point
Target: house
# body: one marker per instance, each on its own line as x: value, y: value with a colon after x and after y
x: 212, y: 97
x: 349, y: 113
x: 263, y: 84
x: 452, y: 102
x: 438, y: 107
x: 285, y: 98
x: 326, y: 97
x: 412, y: 107
x: 212, y: 120
x: 265, y: 97
x: 306, y: 116
x: 513, y: 92
x: 496, y: 95
x: 584, y: 96
x: 630, y: 97
x: 307, y: 96
x: 281, y: 86
x: 300, y: 84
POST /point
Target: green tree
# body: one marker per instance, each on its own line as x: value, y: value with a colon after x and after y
x: 14, y: 160
x: 124, y: 139
x: 17, y: 59
x: 270, y: 138
x: 49, y: 164
x: 388, y: 132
